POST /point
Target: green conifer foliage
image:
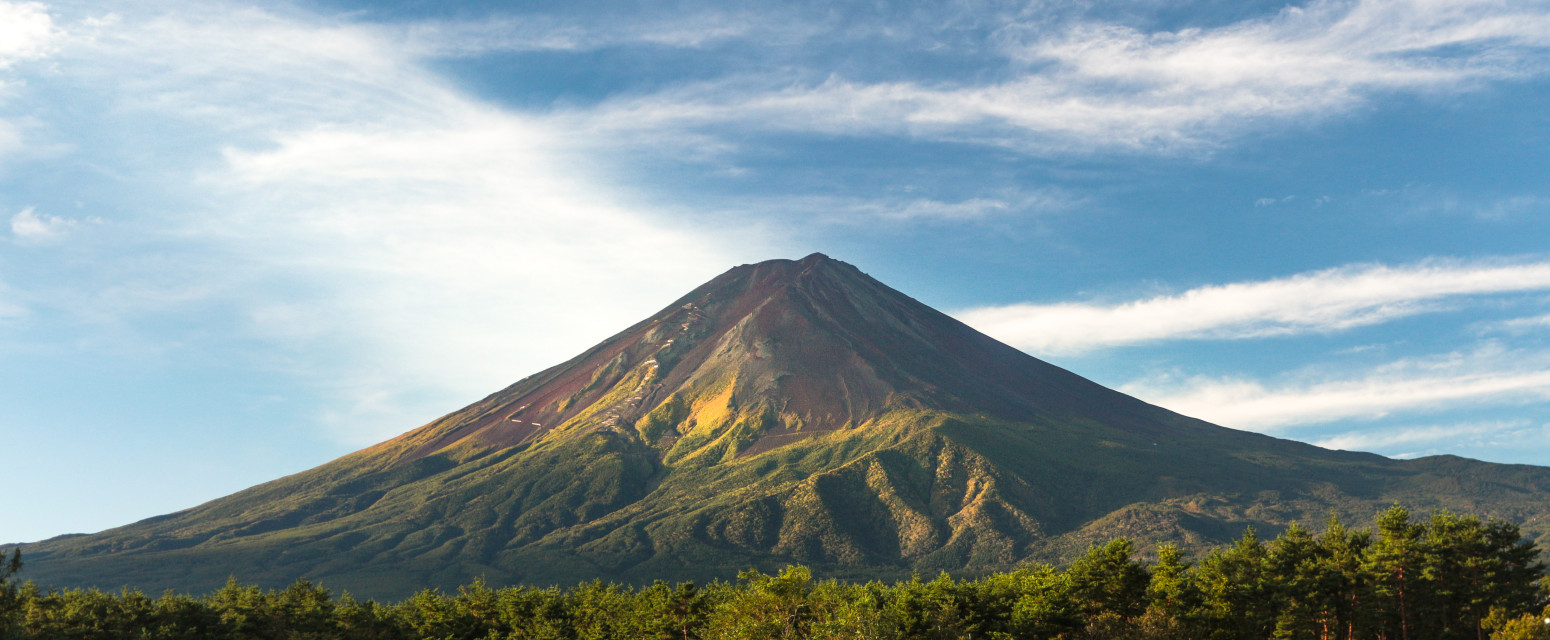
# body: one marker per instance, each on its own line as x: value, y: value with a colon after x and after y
x: 1447, y: 577
x: 10, y: 601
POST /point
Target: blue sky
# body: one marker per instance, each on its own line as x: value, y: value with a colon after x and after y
x: 238, y: 240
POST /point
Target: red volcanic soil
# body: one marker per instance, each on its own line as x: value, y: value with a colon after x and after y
x: 814, y: 338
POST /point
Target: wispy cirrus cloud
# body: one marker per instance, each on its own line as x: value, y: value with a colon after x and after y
x: 394, y: 241
x: 1412, y: 440
x: 1322, y: 301
x: 1490, y: 375
x: 1519, y: 325
x: 969, y: 208
x: 910, y: 208
x: 1416, y: 201
x: 459, y: 38
x: 1085, y: 85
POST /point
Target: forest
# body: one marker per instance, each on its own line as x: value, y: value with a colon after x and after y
x: 1438, y: 578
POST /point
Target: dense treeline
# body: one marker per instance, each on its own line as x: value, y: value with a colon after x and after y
x: 1443, y: 578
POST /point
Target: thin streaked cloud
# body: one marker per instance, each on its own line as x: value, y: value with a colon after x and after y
x: 1518, y: 325
x: 906, y: 208
x: 1491, y: 375
x: 463, y: 38
x: 1088, y: 86
x: 1415, y: 439
x: 1322, y: 301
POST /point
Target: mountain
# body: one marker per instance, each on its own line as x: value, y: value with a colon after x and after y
x: 784, y: 412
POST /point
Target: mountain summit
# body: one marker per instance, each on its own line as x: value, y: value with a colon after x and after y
x: 777, y: 351
x: 786, y: 411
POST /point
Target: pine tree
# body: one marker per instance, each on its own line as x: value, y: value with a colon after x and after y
x: 1173, y: 595
x: 1299, y: 592
x: 1106, y: 579
x: 1349, y: 588
x: 1233, y: 587
x: 1396, y: 562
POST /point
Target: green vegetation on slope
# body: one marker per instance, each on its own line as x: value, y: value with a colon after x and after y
x: 913, y: 491
x: 1444, y: 578
x: 784, y: 413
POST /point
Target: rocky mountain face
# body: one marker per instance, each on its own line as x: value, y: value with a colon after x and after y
x: 784, y: 412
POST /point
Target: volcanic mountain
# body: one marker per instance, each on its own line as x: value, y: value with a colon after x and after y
x: 784, y: 412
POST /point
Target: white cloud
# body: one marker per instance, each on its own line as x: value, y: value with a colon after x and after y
x: 26, y: 32
x: 1521, y: 325
x: 1321, y: 301
x: 30, y: 226
x: 1414, y: 201
x: 462, y: 250
x: 1093, y: 85
x: 451, y: 38
x: 397, y: 244
x: 912, y: 209
x: 972, y: 208
x: 1451, y: 437
x: 1515, y: 206
x: 1490, y: 375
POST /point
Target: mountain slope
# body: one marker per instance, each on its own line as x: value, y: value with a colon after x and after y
x: 787, y: 411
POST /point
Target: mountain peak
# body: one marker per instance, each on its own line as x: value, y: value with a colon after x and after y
x: 785, y: 411
x: 776, y: 351
x: 782, y: 270
x: 809, y: 260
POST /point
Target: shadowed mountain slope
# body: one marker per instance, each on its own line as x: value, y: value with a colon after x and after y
x: 786, y: 411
